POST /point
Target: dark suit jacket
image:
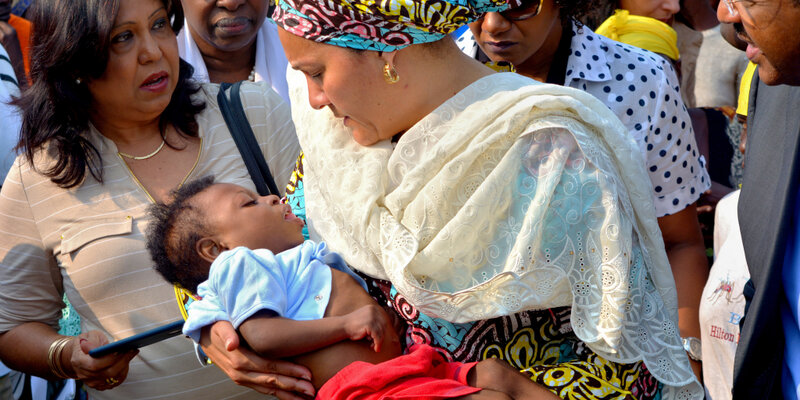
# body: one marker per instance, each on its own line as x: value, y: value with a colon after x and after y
x: 771, y: 171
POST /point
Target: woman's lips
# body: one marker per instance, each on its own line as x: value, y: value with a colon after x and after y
x: 156, y: 82
x: 232, y: 26
x: 498, y: 47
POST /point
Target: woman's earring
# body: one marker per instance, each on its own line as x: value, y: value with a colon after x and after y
x: 78, y: 81
x: 390, y: 74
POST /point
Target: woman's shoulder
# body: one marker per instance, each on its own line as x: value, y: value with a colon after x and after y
x: 629, y: 80
x: 522, y: 92
x: 261, y: 93
x: 29, y: 171
x: 507, y: 84
x: 252, y: 93
x: 23, y: 175
x: 507, y: 96
x: 624, y: 59
x: 510, y: 79
x: 260, y: 102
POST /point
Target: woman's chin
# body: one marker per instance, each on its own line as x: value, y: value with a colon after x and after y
x: 363, y: 135
x: 153, y: 108
x: 362, y: 140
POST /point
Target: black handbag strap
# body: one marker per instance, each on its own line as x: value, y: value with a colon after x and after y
x: 233, y: 113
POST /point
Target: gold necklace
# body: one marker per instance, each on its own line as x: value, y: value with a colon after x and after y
x: 163, y: 141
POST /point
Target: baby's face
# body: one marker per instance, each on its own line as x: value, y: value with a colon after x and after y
x: 240, y: 217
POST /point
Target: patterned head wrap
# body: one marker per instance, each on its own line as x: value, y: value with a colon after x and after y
x: 643, y: 32
x: 379, y: 25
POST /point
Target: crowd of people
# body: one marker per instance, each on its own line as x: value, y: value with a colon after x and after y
x: 477, y: 199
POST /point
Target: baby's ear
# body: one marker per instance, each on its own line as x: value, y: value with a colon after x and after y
x: 208, y: 248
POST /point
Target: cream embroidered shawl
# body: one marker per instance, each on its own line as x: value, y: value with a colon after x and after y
x: 510, y: 196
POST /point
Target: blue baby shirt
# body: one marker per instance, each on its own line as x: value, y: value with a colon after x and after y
x: 295, y: 284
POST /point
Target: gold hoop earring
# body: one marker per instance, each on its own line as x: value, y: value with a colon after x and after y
x: 390, y: 74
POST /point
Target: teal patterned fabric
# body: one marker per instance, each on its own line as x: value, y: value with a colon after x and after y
x: 70, y: 322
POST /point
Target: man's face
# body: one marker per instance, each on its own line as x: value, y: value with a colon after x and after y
x: 771, y: 29
x: 5, y: 10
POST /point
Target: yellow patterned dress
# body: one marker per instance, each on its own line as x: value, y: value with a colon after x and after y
x: 538, y: 343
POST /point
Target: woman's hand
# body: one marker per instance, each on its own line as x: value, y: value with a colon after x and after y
x: 98, y: 373
x: 281, y: 379
x: 367, y: 322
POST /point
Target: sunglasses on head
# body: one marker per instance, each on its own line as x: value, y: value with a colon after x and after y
x: 528, y: 9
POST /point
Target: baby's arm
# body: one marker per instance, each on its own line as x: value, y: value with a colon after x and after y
x: 251, y: 287
x: 277, y: 337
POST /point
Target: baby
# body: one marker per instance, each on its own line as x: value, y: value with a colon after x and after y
x: 246, y: 257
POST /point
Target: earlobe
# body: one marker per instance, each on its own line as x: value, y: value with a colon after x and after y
x: 388, y: 56
x: 390, y: 74
x: 209, y: 249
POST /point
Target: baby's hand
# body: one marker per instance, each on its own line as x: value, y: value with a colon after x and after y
x: 367, y: 322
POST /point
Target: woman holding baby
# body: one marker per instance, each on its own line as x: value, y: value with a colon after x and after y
x: 500, y: 217
x: 513, y: 219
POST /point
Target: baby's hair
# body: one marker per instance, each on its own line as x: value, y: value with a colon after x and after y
x: 172, y: 236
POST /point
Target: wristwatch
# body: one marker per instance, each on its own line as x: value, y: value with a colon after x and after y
x: 693, y: 348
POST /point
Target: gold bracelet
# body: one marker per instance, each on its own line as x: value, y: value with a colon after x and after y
x: 54, y: 357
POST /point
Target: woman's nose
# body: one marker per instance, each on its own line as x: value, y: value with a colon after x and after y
x: 316, y: 96
x: 230, y: 4
x: 494, y: 23
x: 150, y: 50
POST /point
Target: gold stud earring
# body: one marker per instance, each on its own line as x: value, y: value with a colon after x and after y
x: 390, y: 74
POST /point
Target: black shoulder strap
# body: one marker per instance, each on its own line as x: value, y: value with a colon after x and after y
x: 233, y: 113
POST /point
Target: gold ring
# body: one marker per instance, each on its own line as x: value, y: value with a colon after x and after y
x: 112, y: 381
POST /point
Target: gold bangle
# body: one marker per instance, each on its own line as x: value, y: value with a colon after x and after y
x: 57, y: 358
x: 54, y: 357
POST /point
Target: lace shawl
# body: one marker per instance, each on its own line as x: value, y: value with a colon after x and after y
x: 510, y: 196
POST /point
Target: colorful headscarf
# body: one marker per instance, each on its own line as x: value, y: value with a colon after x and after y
x: 643, y: 32
x: 379, y: 25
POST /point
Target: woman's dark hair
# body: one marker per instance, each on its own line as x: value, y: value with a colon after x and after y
x: 172, y: 236
x: 598, y: 11
x: 576, y: 10
x: 71, y: 41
